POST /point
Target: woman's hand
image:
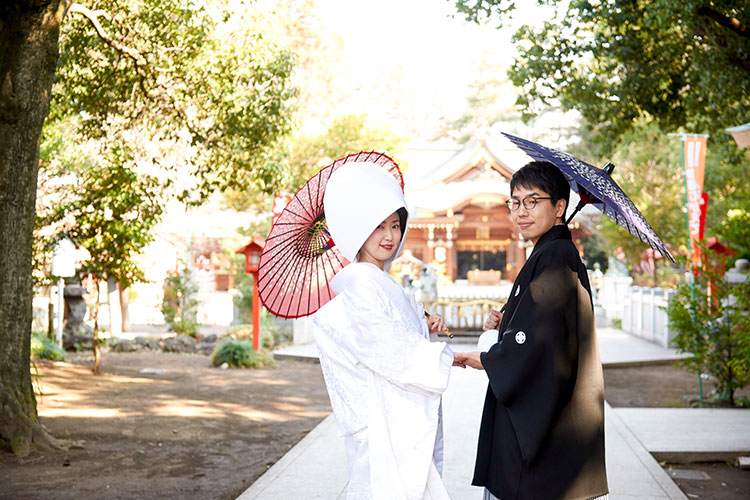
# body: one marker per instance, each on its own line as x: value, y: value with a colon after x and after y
x: 435, y: 324
x: 457, y: 360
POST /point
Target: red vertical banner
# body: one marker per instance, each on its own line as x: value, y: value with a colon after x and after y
x: 694, y: 151
x: 704, y: 209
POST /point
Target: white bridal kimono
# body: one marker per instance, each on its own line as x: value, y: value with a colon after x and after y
x: 385, y: 378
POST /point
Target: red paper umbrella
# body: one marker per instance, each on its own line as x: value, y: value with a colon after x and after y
x: 300, y: 258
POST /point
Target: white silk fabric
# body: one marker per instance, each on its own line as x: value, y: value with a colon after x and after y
x: 358, y: 197
x: 385, y: 377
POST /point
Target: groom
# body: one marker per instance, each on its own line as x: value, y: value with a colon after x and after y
x: 542, y: 432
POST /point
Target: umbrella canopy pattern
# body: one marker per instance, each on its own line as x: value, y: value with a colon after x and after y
x: 300, y: 258
x: 595, y: 186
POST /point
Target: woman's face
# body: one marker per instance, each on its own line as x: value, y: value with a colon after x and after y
x: 383, y: 241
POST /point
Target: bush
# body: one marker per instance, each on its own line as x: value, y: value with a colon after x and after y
x: 239, y: 353
x: 179, y: 305
x: 245, y: 332
x: 43, y: 348
x: 712, y: 322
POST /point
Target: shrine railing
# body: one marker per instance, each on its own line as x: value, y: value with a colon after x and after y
x: 464, y: 314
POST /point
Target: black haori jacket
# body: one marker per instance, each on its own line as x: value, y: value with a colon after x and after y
x: 542, y: 432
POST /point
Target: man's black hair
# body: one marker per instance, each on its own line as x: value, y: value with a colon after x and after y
x: 545, y: 176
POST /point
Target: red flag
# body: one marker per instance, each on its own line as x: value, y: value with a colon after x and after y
x: 704, y: 209
x: 694, y: 151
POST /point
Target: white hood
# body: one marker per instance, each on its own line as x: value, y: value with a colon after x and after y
x: 359, y: 196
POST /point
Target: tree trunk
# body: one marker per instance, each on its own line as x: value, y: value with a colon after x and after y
x: 29, y: 32
x: 124, y: 305
x: 95, y: 342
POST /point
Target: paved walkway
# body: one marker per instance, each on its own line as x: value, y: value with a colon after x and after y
x: 316, y: 467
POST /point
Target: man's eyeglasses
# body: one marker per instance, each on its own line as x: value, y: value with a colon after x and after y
x: 528, y: 203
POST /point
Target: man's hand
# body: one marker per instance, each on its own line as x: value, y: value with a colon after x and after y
x: 456, y: 362
x: 435, y: 323
x: 493, y: 320
x: 471, y: 359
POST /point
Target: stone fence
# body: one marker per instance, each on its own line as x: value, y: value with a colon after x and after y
x: 645, y: 314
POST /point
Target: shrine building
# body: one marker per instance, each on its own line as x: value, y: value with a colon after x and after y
x: 459, y: 221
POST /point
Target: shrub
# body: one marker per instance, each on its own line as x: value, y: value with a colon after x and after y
x: 712, y: 322
x: 179, y: 304
x: 245, y: 332
x: 240, y: 353
x: 43, y: 348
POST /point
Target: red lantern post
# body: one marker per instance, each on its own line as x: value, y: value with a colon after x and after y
x: 252, y: 253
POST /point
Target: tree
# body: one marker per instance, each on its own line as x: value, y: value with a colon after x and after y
x: 28, y: 56
x: 110, y: 212
x: 346, y: 135
x: 647, y: 168
x: 307, y: 154
x: 150, y: 67
x: 205, y: 83
x: 683, y: 63
x: 712, y: 323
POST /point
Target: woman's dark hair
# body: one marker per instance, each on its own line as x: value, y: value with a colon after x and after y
x: 402, y: 215
x: 545, y: 176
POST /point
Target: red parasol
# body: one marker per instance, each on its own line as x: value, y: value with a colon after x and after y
x: 300, y: 258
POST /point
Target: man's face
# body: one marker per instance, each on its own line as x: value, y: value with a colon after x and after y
x: 533, y: 223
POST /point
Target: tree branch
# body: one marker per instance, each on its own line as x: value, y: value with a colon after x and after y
x: 731, y: 23
x: 93, y: 18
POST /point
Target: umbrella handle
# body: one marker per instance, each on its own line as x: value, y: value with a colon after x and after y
x: 585, y: 200
x: 578, y: 208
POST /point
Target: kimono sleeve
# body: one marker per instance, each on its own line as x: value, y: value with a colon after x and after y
x: 385, y: 335
x: 382, y: 339
x: 532, y: 368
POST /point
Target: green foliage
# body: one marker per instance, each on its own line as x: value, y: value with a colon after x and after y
x: 712, y: 322
x: 243, y: 284
x: 239, y: 353
x: 194, y: 79
x: 43, y: 348
x: 346, y: 135
x: 735, y: 231
x: 648, y: 168
x: 307, y: 154
x: 280, y: 330
x: 594, y: 252
x: 681, y: 63
x: 637, y: 71
x: 481, y: 11
x: 245, y: 332
x: 109, y: 212
x: 179, y: 303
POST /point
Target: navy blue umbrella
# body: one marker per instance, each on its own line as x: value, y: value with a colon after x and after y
x: 595, y: 186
